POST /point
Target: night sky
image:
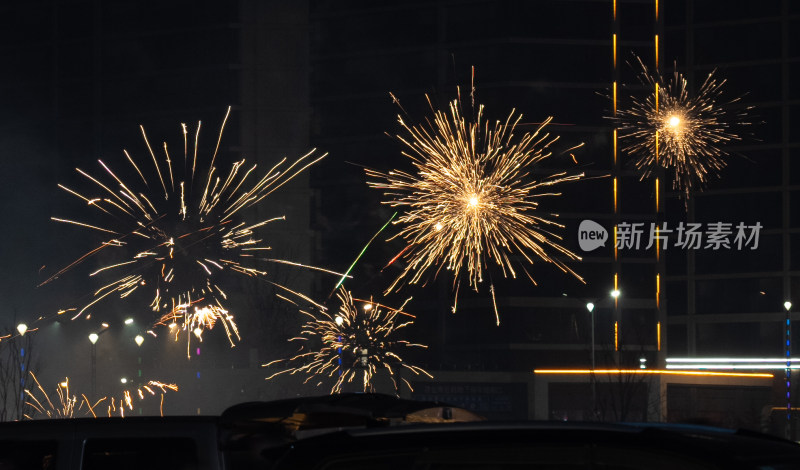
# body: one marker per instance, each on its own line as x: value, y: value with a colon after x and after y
x: 79, y: 77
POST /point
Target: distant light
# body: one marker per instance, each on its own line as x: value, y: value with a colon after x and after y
x: 22, y: 328
x: 123, y: 380
x: 63, y: 384
x: 732, y: 363
x: 93, y: 337
x: 590, y: 307
x: 198, y: 351
x: 128, y: 321
x: 339, y: 320
x: 650, y: 372
x: 104, y: 325
x: 197, y: 332
x: 615, y: 293
x: 139, y: 340
x: 787, y: 305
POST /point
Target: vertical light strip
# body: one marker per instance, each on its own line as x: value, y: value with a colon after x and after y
x: 658, y: 202
x: 658, y: 290
x: 656, y: 41
x: 614, y: 96
x: 615, y: 168
x: 658, y: 335
x: 614, y: 46
x: 658, y: 195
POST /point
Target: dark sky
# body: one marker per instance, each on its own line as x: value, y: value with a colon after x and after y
x: 78, y: 77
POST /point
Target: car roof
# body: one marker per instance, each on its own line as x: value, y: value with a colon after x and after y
x: 699, y: 444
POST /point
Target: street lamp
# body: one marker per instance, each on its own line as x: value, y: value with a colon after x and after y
x: 22, y: 328
x: 93, y: 339
x: 590, y: 308
x: 788, y: 350
x: 139, y: 339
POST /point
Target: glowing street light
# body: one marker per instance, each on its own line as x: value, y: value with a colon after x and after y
x: 128, y: 321
x: 139, y: 340
x: 93, y: 337
x: 22, y: 328
x: 788, y: 372
x: 615, y: 293
x: 123, y: 380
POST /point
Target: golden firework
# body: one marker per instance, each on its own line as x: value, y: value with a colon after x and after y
x: 176, y: 229
x: 69, y: 406
x: 472, y: 197
x: 668, y: 127
x: 351, y: 343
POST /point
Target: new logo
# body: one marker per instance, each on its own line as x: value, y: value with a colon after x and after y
x: 591, y: 235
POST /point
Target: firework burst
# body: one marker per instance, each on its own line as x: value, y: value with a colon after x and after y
x: 355, y: 341
x: 172, y: 231
x: 472, y: 198
x: 681, y: 132
x: 68, y: 405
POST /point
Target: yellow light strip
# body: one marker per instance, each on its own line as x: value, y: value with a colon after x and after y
x: 656, y: 51
x: 652, y: 372
x: 614, y: 96
x: 656, y: 98
x: 658, y: 231
x: 658, y: 289
x: 614, y: 46
x: 658, y: 191
x: 615, y: 10
x: 658, y: 335
x: 615, y: 150
x: 616, y: 336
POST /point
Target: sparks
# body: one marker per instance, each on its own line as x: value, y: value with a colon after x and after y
x: 472, y: 198
x: 175, y: 239
x: 680, y: 132
x: 351, y: 343
x: 68, y: 405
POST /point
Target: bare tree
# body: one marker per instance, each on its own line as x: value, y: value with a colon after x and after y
x: 16, y: 361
